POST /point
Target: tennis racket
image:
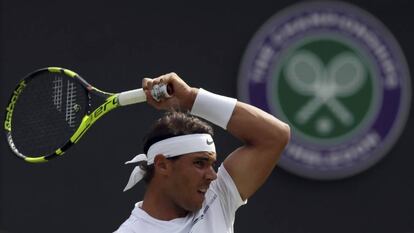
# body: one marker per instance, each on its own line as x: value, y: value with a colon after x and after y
x: 52, y: 108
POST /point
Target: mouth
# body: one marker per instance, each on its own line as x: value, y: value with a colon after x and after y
x: 202, y: 191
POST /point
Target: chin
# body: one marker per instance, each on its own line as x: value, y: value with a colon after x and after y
x: 195, y: 204
x: 195, y: 207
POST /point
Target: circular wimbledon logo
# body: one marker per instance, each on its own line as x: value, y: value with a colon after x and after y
x: 338, y: 77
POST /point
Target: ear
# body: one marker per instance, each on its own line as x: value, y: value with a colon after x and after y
x: 161, y: 164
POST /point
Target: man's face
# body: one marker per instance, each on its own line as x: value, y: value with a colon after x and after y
x: 190, y: 179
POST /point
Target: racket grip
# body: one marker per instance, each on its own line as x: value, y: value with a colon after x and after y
x: 132, y: 97
x: 138, y: 95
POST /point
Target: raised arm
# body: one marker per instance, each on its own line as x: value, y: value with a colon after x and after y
x: 264, y: 139
x: 263, y: 135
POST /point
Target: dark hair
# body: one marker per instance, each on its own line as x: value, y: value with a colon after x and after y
x: 170, y: 125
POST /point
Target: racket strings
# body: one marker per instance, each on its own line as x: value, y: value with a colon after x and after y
x: 47, y: 113
x: 71, y: 105
x: 57, y: 92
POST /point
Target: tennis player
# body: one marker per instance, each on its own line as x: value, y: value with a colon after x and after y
x: 184, y: 193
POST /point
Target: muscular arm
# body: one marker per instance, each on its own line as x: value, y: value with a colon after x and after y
x: 264, y: 139
x: 263, y: 135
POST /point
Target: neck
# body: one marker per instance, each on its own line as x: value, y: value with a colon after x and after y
x: 158, y: 205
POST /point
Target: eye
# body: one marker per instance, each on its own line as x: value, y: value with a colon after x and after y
x: 199, y: 163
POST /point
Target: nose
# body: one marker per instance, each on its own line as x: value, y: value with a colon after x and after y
x: 211, y: 174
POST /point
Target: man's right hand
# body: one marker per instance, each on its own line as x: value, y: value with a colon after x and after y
x: 182, y: 96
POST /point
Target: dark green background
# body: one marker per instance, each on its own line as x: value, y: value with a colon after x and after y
x: 292, y: 102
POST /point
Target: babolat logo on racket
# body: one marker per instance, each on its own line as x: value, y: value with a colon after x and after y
x: 104, y: 108
x: 338, y: 76
x: 10, y: 107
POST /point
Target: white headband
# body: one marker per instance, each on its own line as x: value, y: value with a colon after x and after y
x: 170, y: 147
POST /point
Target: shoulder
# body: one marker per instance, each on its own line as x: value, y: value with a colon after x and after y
x: 129, y: 225
x: 224, y: 181
x: 225, y: 188
x: 134, y: 221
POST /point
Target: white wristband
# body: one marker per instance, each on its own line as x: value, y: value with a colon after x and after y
x: 215, y: 108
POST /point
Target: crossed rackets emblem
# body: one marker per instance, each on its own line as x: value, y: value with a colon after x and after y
x: 343, y: 76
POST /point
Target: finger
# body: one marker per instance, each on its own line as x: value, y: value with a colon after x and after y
x: 150, y: 99
x: 160, y: 80
x: 170, y: 80
x: 147, y: 83
x: 163, y: 80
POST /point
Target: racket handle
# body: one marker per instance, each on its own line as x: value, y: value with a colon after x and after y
x: 138, y: 95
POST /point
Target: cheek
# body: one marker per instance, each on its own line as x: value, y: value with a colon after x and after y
x: 186, y: 179
x: 184, y: 188
x: 186, y: 182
